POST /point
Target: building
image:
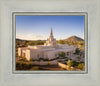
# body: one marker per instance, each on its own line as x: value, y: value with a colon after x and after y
x: 49, y: 50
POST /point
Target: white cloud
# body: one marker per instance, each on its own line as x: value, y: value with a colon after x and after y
x: 31, y: 37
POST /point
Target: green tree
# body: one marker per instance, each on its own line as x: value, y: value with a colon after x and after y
x: 48, y: 63
x: 30, y: 43
x: 62, y: 54
x: 35, y: 68
x: 69, y: 64
x: 75, y: 63
x: 77, y: 51
x: 61, y: 42
x: 78, y: 58
x: 81, y: 66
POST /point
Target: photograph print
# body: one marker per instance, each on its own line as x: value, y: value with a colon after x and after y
x: 50, y: 42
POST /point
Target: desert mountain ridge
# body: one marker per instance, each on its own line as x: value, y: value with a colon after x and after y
x: 72, y: 38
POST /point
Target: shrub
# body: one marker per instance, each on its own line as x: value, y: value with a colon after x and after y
x: 48, y: 63
x: 60, y: 61
x: 81, y: 66
x: 23, y: 66
x: 17, y: 64
x: 35, y: 68
x: 69, y: 63
x: 32, y: 60
x: 78, y: 58
x: 75, y: 63
x: 41, y: 58
x: 45, y: 59
x: 62, y: 54
x: 38, y: 59
x: 66, y: 59
x: 77, y: 51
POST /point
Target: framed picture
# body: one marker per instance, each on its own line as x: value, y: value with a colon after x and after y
x: 40, y: 25
x: 36, y: 51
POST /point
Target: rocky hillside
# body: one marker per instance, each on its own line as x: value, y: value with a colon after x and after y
x: 74, y: 38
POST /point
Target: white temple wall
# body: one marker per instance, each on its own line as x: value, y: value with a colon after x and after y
x: 28, y: 54
x: 33, y: 55
x: 51, y: 55
x: 36, y: 54
x: 19, y: 51
x: 45, y: 55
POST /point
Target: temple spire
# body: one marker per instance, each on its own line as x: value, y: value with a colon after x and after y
x: 51, y: 41
x: 51, y: 33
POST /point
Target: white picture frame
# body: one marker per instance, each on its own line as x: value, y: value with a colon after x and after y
x: 14, y: 14
x: 8, y: 78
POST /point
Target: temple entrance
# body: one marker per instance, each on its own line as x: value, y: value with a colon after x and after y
x: 24, y: 55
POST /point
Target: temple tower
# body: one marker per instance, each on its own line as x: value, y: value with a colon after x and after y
x: 51, y: 41
x: 51, y: 33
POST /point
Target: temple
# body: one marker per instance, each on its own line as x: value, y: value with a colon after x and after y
x: 51, y: 41
x: 49, y: 50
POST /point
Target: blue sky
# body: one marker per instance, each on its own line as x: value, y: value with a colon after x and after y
x: 38, y: 27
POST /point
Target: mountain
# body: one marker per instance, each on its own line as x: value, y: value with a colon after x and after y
x: 74, y: 38
x: 19, y: 39
x: 28, y: 40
